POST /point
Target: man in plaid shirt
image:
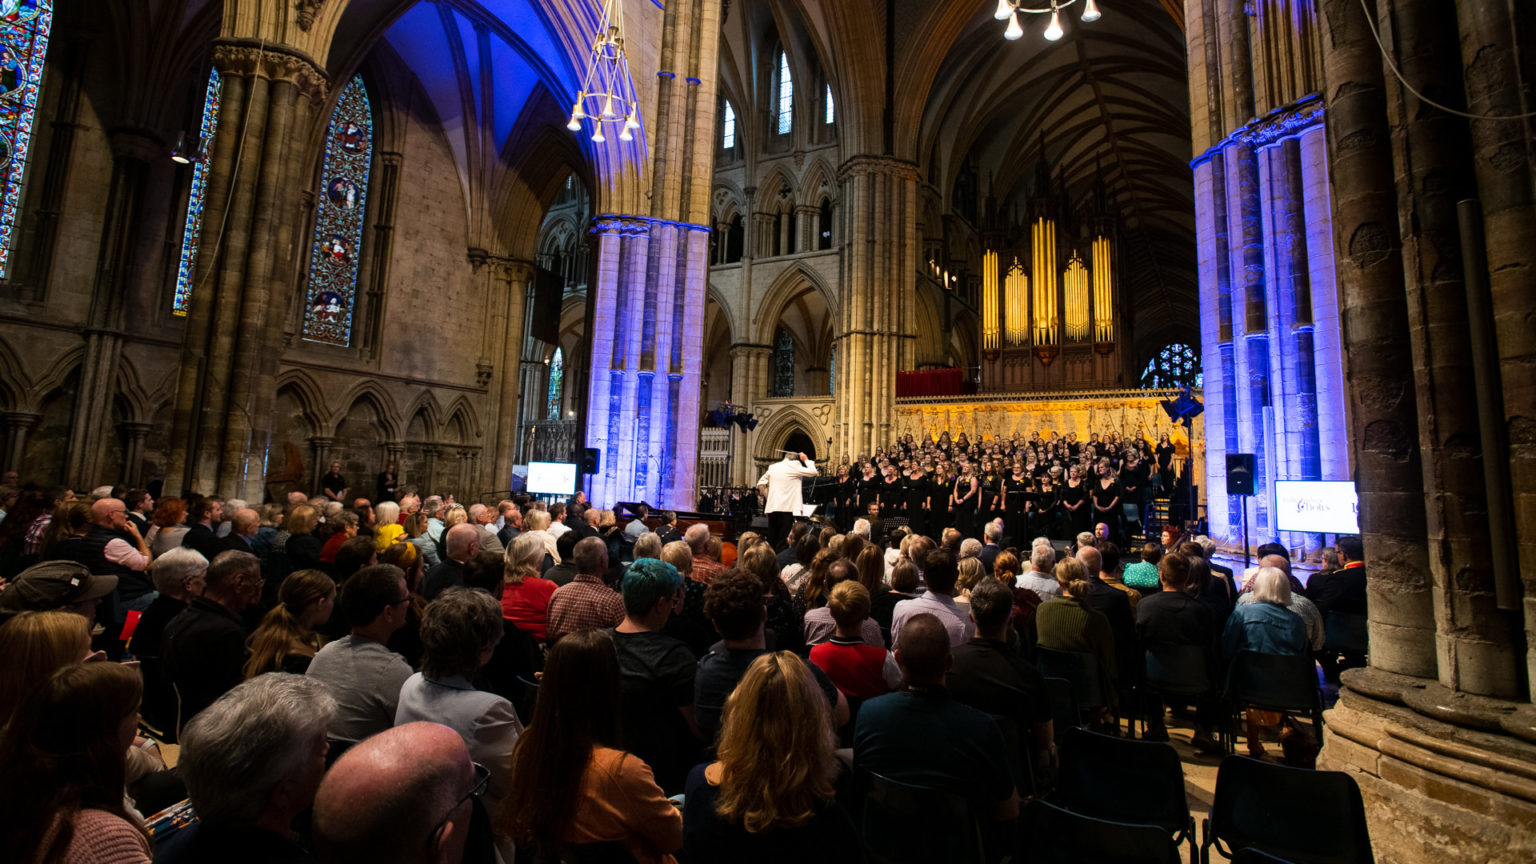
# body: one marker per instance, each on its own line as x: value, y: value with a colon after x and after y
x: 33, y: 542
x: 586, y: 603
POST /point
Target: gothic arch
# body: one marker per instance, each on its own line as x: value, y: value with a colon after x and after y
x: 777, y: 178
x: 728, y: 202
x: 308, y: 394
x: 782, y: 292
x: 374, y: 393
x: 425, y: 405
x: 781, y: 424
x: 58, y: 374
x: 462, y: 414
x: 138, y: 405
x: 820, y: 181
x: 725, y: 316
x: 13, y: 381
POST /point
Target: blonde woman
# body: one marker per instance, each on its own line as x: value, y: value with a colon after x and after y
x: 770, y: 794
x: 286, y: 639
x: 35, y: 645
x: 525, y: 599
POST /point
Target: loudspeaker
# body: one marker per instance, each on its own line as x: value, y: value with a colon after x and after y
x: 1239, y: 473
x: 586, y: 463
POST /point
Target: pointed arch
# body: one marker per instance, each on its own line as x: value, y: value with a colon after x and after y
x: 461, y: 412
x: 820, y: 180
x: 792, y: 282
x: 306, y: 391
x: 375, y: 394
x: 424, y: 405
x: 782, y: 423
x: 13, y: 381
x: 777, y: 178
x: 724, y: 316
x: 137, y: 403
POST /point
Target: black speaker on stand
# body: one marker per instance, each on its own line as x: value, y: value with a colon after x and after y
x: 586, y: 462
x: 1240, y: 482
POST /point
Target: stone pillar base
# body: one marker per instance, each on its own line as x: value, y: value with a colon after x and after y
x: 1445, y: 776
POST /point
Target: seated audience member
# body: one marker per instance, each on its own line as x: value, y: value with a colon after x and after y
x: 1341, y: 589
x: 1039, y: 579
x: 769, y: 795
x: 459, y: 632
x: 458, y: 546
x: 303, y: 547
x: 586, y: 602
x: 706, y: 565
x: 565, y: 571
x: 820, y: 623
x: 1068, y: 623
x: 882, y: 607
x: 992, y: 678
x: 795, y: 573
x: 251, y: 763
x: 387, y: 529
x: 734, y: 603
x: 1172, y: 618
x: 56, y: 585
x: 1208, y: 552
x: 1143, y: 573
x: 344, y: 526
x: 286, y: 639
x: 573, y: 784
x: 969, y: 572
x: 785, y: 620
x: 112, y: 545
x: 656, y: 673
x: 405, y: 795
x: 204, y: 647
x: 203, y: 518
x: 363, y: 675
x: 1297, y: 601
x: 536, y: 523
x: 859, y: 668
x: 178, y: 576
x: 648, y: 545
x: 940, y: 572
x: 922, y: 736
x: 35, y: 645
x: 511, y: 522
x: 168, y: 526
x: 415, y: 526
x: 407, y: 640
x: 688, y: 622
x: 525, y: 597
x: 1205, y: 586
x: 355, y: 554
x: 1265, y: 623
x: 1116, y: 607
x: 636, y: 526
x: 1109, y: 574
x: 64, y: 757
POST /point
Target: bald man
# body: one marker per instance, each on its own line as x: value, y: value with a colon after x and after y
x: 462, y: 544
x: 404, y: 795
x: 113, y: 546
x: 705, y: 566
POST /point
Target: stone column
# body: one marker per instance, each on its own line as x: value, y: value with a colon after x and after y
x: 429, y: 485
x: 320, y: 451
x: 18, y: 425
x: 511, y: 281
x: 133, y: 451
x: 874, y: 331
x: 394, y: 451
x: 1378, y: 347
x: 261, y: 161
x: 749, y: 382
x: 761, y: 235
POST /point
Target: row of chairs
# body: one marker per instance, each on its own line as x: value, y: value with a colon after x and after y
x: 1121, y: 801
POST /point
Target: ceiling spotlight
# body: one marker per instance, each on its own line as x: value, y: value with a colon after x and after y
x: 574, y: 125
x: 1015, y: 30
x: 597, y: 135
x: 1090, y: 12
x: 1004, y: 9
x: 576, y: 112
x: 179, y: 153
x: 1053, y: 31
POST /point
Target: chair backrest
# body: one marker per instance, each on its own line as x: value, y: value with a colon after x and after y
x: 1064, y: 713
x: 1018, y: 743
x: 1082, y: 669
x: 1052, y: 835
x: 1179, y: 670
x: 1280, y: 682
x: 1123, y: 780
x: 1297, y: 814
x: 1345, y: 631
x: 903, y: 822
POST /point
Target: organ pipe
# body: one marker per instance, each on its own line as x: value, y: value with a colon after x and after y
x: 1016, y: 290
x: 1103, y: 299
x: 989, y: 305
x: 1043, y: 250
x: 1075, y: 298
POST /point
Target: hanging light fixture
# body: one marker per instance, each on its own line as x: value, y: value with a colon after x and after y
x: 1012, y: 9
x: 179, y: 154
x: 607, y: 93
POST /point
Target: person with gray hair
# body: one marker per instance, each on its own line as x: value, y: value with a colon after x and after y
x: 204, y: 646
x: 459, y: 632
x: 970, y: 547
x: 648, y: 545
x: 1295, y: 600
x: 1042, y: 561
x: 1265, y: 623
x: 178, y: 576
x: 461, y: 544
x: 404, y: 796
x: 705, y: 565
x: 586, y: 602
x: 252, y: 761
x: 861, y: 527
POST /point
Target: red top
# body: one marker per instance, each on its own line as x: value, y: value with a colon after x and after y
x: 526, y: 605
x: 332, y: 546
x: 856, y: 669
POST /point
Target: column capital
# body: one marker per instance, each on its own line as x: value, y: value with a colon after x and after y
x: 135, y: 428
x: 21, y: 419
x: 321, y: 440
x: 139, y: 144
x: 860, y: 165
x: 749, y: 349
x: 248, y: 58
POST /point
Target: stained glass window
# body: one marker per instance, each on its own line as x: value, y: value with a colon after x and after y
x: 339, y: 219
x: 783, y: 363
x: 832, y: 374
x: 24, y: 28
x: 1177, y: 365
x: 194, y: 224
x: 556, y: 383
x: 786, y: 95
x: 728, y: 134
x: 831, y: 108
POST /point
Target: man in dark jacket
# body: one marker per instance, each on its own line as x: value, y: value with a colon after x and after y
x: 204, y: 646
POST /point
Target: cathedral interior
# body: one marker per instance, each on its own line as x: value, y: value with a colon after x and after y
x: 244, y: 239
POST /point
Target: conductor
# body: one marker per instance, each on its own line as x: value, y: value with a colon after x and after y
x: 784, y: 501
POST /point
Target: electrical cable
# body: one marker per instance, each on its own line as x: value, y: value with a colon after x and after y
x: 1370, y: 25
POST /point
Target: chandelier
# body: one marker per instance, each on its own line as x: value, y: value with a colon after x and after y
x: 607, y: 92
x: 1011, y: 9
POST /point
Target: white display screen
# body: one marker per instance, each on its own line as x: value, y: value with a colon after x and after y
x: 552, y: 478
x: 1319, y: 506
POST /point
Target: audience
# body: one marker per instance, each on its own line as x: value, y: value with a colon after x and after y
x: 252, y: 762
x: 204, y: 647
x: 1172, y: 619
x: 363, y: 675
x: 820, y: 624
x: 1068, y: 623
x: 35, y: 645
x: 861, y: 669
x: 769, y: 795
x: 586, y: 602
x: 380, y: 802
x: 574, y: 783
x: 525, y: 597
x: 61, y: 585
x: 461, y: 543
x: 656, y: 672
x: 286, y: 640
x: 940, y: 572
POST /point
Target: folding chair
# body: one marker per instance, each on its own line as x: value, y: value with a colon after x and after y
x: 1052, y: 835
x: 1064, y: 712
x: 1275, y: 682
x: 1296, y: 814
x: 1080, y: 668
x: 906, y: 823
x: 1124, y: 780
x: 1181, y: 673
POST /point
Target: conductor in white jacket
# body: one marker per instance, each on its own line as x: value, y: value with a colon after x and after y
x: 783, y: 482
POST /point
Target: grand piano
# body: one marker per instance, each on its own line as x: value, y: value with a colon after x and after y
x: 721, y: 525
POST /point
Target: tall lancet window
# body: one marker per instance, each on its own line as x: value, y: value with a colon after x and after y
x: 333, y: 260
x: 192, y: 229
x: 831, y: 108
x: 786, y: 86
x: 783, y: 363
x: 24, y: 26
x: 728, y: 128
x: 556, y: 384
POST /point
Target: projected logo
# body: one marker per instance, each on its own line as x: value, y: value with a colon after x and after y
x: 1318, y: 506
